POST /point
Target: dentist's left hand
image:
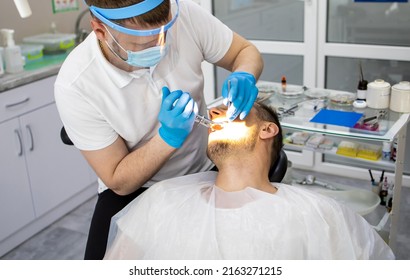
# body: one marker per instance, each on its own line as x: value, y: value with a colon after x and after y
x: 239, y: 92
x: 177, y: 116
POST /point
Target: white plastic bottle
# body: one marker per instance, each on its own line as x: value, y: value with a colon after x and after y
x: 386, y: 150
x: 12, y: 53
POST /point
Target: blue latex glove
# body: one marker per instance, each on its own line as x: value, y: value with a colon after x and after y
x: 241, y: 94
x: 177, y: 116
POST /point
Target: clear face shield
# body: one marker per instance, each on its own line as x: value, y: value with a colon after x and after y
x: 141, y: 48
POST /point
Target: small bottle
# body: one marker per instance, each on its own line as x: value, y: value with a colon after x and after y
x: 389, y: 205
x: 362, y: 86
x: 53, y: 28
x: 384, y: 192
x: 12, y: 53
x: 360, y: 102
x: 394, y: 150
x: 386, y: 150
x: 283, y: 82
x: 362, y: 90
x: 389, y: 198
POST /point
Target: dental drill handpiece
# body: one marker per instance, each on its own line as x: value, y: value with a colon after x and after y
x: 207, y: 122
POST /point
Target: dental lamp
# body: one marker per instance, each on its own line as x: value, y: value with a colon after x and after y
x: 23, y: 8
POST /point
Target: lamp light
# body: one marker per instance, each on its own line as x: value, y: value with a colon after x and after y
x: 23, y: 8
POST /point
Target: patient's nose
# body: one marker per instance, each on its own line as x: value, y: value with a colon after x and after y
x: 217, y: 112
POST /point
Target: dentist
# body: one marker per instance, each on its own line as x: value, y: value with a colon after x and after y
x: 129, y: 93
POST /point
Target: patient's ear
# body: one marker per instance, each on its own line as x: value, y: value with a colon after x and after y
x: 268, y: 130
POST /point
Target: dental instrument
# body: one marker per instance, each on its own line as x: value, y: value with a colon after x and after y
x: 229, y: 88
x: 208, y: 123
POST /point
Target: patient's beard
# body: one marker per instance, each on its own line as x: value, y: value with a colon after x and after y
x: 220, y: 150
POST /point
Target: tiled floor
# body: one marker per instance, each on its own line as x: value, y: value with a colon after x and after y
x: 65, y: 239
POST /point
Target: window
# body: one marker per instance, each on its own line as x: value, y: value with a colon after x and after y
x: 321, y: 43
x: 277, y: 28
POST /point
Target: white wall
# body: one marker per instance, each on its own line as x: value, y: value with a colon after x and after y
x: 40, y: 20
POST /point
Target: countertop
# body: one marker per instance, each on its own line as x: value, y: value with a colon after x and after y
x: 47, y: 67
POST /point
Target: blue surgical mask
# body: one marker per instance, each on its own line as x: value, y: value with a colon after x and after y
x: 149, y: 57
x: 146, y: 58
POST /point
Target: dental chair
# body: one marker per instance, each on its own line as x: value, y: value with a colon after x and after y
x: 276, y: 173
x: 278, y: 170
x: 64, y: 137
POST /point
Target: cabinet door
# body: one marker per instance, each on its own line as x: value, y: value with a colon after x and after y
x: 16, y: 207
x: 56, y: 171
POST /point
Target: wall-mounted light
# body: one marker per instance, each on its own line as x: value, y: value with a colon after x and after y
x: 23, y: 8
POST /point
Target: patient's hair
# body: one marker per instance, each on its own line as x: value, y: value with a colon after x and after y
x: 266, y: 113
x: 157, y: 16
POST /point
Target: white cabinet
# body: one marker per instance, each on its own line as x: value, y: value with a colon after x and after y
x: 39, y: 174
x: 16, y: 207
x: 55, y: 171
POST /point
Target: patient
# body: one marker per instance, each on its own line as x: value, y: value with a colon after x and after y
x: 237, y: 213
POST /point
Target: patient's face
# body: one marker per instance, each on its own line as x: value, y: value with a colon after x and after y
x: 234, y: 138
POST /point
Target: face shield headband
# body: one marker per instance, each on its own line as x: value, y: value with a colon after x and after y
x: 106, y: 15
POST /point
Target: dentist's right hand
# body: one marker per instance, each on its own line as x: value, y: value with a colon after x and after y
x: 177, y: 116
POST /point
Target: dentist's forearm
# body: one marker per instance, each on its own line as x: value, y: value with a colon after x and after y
x: 124, y: 172
x: 250, y: 61
x: 141, y: 165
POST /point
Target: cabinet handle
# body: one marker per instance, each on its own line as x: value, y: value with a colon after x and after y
x: 30, y: 137
x: 20, y: 151
x: 17, y: 103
